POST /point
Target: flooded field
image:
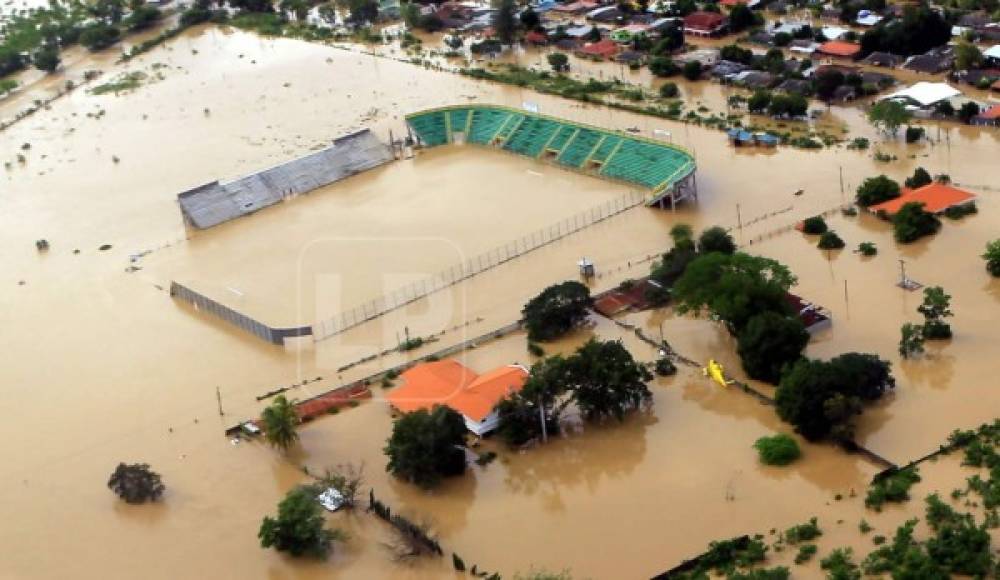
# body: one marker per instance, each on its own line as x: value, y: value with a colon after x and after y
x: 101, y: 366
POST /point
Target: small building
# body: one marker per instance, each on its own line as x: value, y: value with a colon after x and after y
x: 579, y: 32
x: 536, y: 38
x: 743, y: 138
x: 834, y: 32
x: 935, y: 197
x: 813, y: 317
x: 627, y: 34
x: 735, y: 3
x: 707, y: 57
x: 988, y: 118
x: 704, y: 24
x: 796, y: 87
x: 606, y: 14
x: 843, y: 94
x: 725, y: 69
x: 601, y: 50
x: 867, y: 18
x: 882, y: 59
x: 453, y: 385
x: 924, y: 95
x: 803, y: 46
x: 932, y: 62
x: 630, y: 57
x: 575, y: 8
x: 754, y: 79
x: 839, y: 49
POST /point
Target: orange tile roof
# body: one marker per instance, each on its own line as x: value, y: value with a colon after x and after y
x: 601, y: 48
x: 993, y: 112
x: 450, y: 383
x: 839, y: 48
x: 936, y: 197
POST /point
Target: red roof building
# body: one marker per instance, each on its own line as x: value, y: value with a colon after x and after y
x: 839, y: 49
x: 600, y: 50
x: 704, y: 23
x: 935, y: 197
x: 451, y: 384
x: 989, y: 117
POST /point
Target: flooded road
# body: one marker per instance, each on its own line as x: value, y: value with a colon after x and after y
x: 101, y: 366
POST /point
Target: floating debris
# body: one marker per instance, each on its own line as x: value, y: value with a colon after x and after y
x: 104, y: 247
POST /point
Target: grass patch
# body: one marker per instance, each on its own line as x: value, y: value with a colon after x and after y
x: 122, y: 83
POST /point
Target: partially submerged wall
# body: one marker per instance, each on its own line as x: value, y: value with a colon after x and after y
x: 258, y: 329
x: 214, y: 203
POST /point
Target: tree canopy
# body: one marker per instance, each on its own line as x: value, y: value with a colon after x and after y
x: 504, y: 22
x: 935, y: 308
x: 913, y: 222
x: 875, y: 190
x: 299, y: 528
x: 768, y: 343
x: 821, y: 398
x: 733, y: 287
x: 279, y: 420
x: 992, y: 257
x: 426, y: 446
x: 136, y: 483
x: 716, y: 239
x: 919, y: 178
x: 556, y: 310
x: 888, y: 116
x: 920, y: 29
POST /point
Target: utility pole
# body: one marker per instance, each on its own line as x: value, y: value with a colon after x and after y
x: 902, y: 273
x: 846, y: 299
x: 218, y: 397
x: 842, y: 184
x: 739, y: 219
x: 541, y: 418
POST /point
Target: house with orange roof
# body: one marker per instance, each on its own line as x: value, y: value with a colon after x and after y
x: 600, y: 50
x: 935, y: 197
x: 449, y: 383
x: 989, y: 117
x: 840, y: 49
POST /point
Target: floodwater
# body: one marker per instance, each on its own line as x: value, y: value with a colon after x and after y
x: 101, y: 366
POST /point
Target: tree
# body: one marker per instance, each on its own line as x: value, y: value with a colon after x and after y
x: 742, y: 17
x: 912, y: 222
x: 865, y: 375
x: 811, y: 397
x: 830, y: 241
x: 299, y: 528
x: 98, y: 36
x: 558, y: 61
x: 962, y: 547
x: 780, y: 449
x: 530, y: 19
x: 606, y: 380
x: 669, y: 90
x: 827, y: 82
x: 692, y: 70
x: 759, y: 101
x: 814, y: 225
x: 108, y: 11
x: 136, y: 483
x: 735, y: 53
x: 875, y: 190
x: 143, y: 17
x: 360, y: 12
x: 945, y: 109
x: 911, y: 342
x: 426, y: 446
x: 793, y: 105
x: 542, y: 395
x: 935, y: 308
x: 716, y: 239
x: 992, y: 257
x: 919, y: 178
x: 556, y: 310
x: 671, y: 40
x: 46, y: 58
x: 967, y: 55
x: 768, y: 343
x: 504, y: 23
x: 252, y: 5
x: 411, y: 14
x: 888, y: 116
x: 662, y: 66
x: 279, y: 420
x: 920, y: 29
x: 682, y: 235
x: 967, y: 111
x: 733, y: 287
x: 200, y: 12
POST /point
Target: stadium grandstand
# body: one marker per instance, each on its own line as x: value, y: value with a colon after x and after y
x: 666, y: 170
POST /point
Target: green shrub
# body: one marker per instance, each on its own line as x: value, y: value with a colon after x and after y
x: 669, y: 90
x: 780, y: 449
x: 892, y: 488
x: 957, y: 212
x: 535, y: 349
x: 867, y: 249
x: 803, y: 532
x: 806, y: 552
x: 664, y: 367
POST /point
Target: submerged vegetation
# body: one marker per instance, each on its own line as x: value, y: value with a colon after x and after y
x: 780, y: 449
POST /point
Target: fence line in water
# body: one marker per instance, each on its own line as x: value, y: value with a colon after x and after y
x: 475, y: 265
x: 254, y: 327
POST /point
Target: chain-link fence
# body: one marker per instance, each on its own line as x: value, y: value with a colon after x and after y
x: 475, y: 265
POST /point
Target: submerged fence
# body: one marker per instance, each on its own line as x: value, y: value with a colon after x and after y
x: 475, y: 265
x: 258, y: 329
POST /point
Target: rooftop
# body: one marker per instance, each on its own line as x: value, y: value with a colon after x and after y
x: 451, y: 384
x: 935, y: 197
x: 839, y: 48
x: 925, y: 93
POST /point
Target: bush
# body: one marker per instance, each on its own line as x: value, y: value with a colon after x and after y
x: 992, y: 257
x: 830, y: 241
x: 957, y: 212
x: 299, y: 528
x: 875, y: 190
x: 892, y: 488
x: 662, y: 66
x: 814, y: 225
x: 913, y: 134
x: 665, y: 367
x: 919, y: 178
x: 716, y: 239
x: 669, y: 90
x: 46, y: 58
x: 692, y: 70
x: 778, y: 449
x: 143, y: 17
x: 867, y: 249
x: 803, y: 532
x: 806, y: 552
x: 426, y: 446
x: 558, y: 61
x: 912, y: 222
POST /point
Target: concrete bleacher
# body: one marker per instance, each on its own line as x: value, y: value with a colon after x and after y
x: 611, y: 154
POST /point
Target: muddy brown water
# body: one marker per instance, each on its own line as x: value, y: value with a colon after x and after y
x: 102, y: 366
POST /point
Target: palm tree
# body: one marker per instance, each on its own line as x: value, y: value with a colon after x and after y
x: 279, y: 423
